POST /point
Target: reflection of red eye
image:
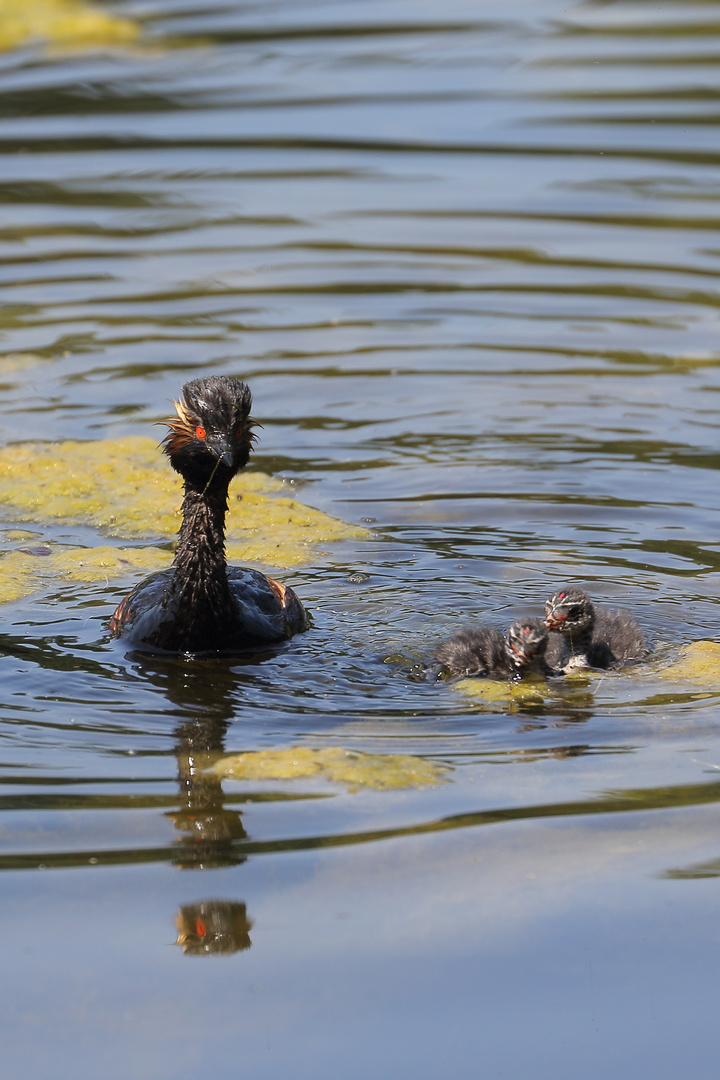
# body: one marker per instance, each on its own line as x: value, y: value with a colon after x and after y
x: 200, y: 432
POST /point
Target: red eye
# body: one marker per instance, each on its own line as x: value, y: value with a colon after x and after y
x: 200, y: 432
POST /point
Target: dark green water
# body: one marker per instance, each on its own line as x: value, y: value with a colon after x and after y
x: 468, y: 259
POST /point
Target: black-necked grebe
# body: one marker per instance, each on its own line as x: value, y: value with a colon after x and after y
x: 200, y: 604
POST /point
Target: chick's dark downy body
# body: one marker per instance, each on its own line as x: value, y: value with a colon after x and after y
x: 585, y: 636
x: 490, y: 652
x: 199, y: 604
x: 477, y: 652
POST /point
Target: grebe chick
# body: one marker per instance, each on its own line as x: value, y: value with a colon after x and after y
x: 477, y: 652
x: 489, y: 652
x: 527, y: 640
x: 585, y: 636
x: 200, y: 604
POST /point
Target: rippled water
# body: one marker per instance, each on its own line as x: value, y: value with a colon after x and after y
x: 467, y: 258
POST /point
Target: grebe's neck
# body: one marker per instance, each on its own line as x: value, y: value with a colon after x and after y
x: 201, y: 540
x: 200, y: 586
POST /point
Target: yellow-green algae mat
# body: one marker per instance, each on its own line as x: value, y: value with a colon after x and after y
x: 65, y: 24
x: 354, y: 769
x: 504, y: 692
x: 698, y: 662
x: 126, y: 489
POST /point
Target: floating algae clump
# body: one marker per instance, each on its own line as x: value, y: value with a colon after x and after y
x: 382, y: 772
x: 22, y: 572
x: 698, y: 662
x: 125, y: 489
x: 503, y: 692
x: 67, y: 24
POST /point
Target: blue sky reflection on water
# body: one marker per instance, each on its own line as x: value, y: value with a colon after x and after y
x: 468, y: 262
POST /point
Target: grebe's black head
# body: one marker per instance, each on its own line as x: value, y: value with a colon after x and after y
x: 569, y: 611
x: 211, y: 437
x: 525, y: 639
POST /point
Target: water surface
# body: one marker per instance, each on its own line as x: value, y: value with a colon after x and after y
x: 468, y: 261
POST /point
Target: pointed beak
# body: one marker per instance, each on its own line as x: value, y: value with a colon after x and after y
x: 222, y: 450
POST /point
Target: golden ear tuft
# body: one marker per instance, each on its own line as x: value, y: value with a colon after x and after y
x: 183, y: 418
x: 181, y: 428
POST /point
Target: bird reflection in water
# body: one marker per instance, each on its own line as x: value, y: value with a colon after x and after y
x: 207, y: 827
x: 213, y: 927
x: 203, y: 696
